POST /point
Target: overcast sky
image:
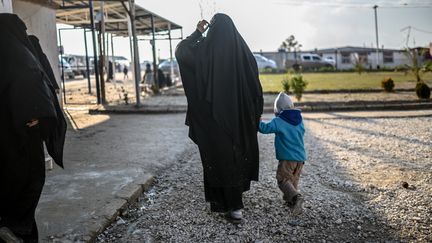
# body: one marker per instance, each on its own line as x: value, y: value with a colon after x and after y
x: 264, y: 24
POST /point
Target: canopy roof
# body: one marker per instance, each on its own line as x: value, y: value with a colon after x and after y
x: 76, y: 13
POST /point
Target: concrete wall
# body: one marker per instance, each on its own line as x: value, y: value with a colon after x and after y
x: 41, y: 22
x: 5, y: 6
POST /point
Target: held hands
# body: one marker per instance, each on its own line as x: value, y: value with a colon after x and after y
x: 202, y: 26
x: 32, y: 122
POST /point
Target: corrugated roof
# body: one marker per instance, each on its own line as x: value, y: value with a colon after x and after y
x: 77, y: 13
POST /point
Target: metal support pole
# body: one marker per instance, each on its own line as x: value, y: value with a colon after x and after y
x: 102, y: 52
x: 87, y: 62
x: 171, y: 52
x: 135, y: 52
x: 95, y: 60
x: 112, y: 62
x: 101, y: 66
x: 376, y: 33
x: 130, y: 38
x: 62, y: 67
x: 155, y: 68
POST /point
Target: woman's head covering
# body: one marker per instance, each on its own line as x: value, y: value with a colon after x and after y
x: 227, y: 77
x: 25, y: 81
x: 43, y: 61
x: 11, y: 26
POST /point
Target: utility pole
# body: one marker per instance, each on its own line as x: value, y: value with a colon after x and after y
x: 408, y: 35
x: 376, y: 33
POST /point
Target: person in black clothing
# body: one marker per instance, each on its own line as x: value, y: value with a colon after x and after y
x: 110, y: 71
x: 30, y: 115
x: 161, y: 78
x: 125, y: 72
x: 225, y: 102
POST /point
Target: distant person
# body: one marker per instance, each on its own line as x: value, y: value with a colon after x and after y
x: 168, y: 79
x: 110, y: 71
x: 148, y: 78
x: 161, y: 78
x: 30, y: 116
x: 289, y: 145
x: 125, y: 73
x: 225, y: 102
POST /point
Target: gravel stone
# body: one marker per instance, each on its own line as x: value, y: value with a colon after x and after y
x: 351, y: 183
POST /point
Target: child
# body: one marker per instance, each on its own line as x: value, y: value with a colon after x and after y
x: 289, y: 129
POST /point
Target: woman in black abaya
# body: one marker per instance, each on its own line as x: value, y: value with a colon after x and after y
x: 220, y: 79
x: 29, y: 116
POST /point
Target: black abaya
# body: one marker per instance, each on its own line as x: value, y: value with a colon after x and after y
x: 220, y: 79
x: 25, y: 94
x: 56, y: 135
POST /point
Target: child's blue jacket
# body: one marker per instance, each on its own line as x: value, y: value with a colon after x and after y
x: 289, y: 129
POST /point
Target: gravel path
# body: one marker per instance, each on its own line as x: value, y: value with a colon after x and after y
x: 352, y: 183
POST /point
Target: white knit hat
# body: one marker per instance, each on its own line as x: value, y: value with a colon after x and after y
x: 282, y: 102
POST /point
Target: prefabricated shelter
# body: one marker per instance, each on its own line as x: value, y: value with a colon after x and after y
x: 345, y: 57
x: 118, y: 17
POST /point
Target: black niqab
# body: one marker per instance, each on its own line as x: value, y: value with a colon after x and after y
x: 229, y: 75
x: 43, y: 59
x: 56, y: 135
x: 220, y: 79
x: 25, y: 94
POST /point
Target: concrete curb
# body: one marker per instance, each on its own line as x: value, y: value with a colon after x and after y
x: 322, y: 91
x: 106, y: 215
x: 304, y: 106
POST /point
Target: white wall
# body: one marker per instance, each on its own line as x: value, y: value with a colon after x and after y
x: 399, y: 58
x: 5, y: 6
x: 41, y: 22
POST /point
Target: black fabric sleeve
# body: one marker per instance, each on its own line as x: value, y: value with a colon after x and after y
x: 30, y: 98
x: 183, y: 51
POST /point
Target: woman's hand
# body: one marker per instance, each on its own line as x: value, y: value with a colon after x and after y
x: 202, y: 25
x: 32, y: 122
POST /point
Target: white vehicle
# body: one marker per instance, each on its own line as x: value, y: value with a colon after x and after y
x: 165, y: 66
x: 264, y: 63
x: 310, y: 61
x: 330, y: 60
x: 67, y: 70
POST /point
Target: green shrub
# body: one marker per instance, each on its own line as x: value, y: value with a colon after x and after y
x: 298, y: 85
x: 422, y: 90
x: 286, y: 84
x: 326, y: 69
x: 387, y: 84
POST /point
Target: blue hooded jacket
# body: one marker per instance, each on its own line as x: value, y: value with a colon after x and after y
x: 289, y: 129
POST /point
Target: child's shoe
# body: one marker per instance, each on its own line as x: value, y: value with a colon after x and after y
x: 297, y: 207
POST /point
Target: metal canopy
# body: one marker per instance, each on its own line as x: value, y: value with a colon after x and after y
x: 76, y: 13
